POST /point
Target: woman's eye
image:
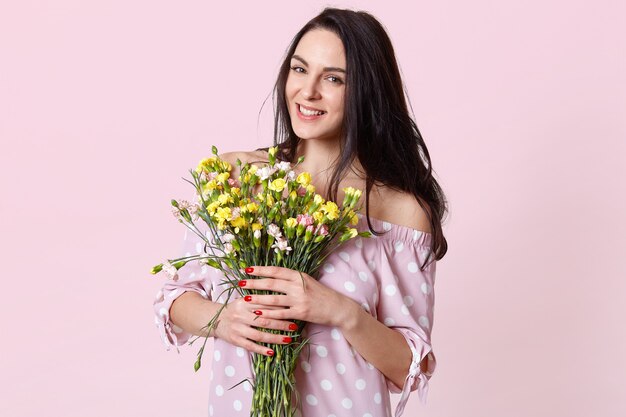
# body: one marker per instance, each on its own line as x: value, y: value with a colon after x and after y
x: 297, y: 68
x: 338, y: 80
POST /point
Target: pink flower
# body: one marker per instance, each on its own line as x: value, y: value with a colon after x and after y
x: 301, y: 191
x: 322, y: 230
x: 233, y: 183
x: 304, y: 219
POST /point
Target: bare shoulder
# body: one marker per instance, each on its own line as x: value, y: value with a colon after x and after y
x: 244, y: 156
x: 402, y: 208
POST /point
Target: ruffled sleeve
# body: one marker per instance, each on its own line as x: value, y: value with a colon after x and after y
x: 191, y: 277
x: 406, y: 305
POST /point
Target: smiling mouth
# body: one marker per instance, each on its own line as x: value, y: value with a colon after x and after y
x: 309, y: 113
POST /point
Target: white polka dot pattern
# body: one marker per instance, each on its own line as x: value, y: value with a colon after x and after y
x: 381, y: 274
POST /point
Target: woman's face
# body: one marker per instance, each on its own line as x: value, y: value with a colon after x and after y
x: 316, y: 81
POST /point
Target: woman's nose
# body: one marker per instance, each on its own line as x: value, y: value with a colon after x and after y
x: 310, y: 89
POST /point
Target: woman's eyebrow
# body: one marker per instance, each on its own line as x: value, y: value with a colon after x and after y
x: 336, y: 69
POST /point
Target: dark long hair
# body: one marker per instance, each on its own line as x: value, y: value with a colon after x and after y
x: 377, y: 128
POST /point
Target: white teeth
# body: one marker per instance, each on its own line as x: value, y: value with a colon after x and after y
x: 309, y: 112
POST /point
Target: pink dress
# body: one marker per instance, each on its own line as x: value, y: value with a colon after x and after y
x: 382, y: 274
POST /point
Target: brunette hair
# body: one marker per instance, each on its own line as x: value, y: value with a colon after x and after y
x: 377, y: 128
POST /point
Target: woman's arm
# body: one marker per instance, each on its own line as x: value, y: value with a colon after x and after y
x: 384, y: 348
x: 191, y: 312
x: 236, y: 324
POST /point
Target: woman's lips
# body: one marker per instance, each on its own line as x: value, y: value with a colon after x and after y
x: 305, y: 117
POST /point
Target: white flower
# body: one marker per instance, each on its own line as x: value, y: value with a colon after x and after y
x: 281, y: 244
x: 291, y: 175
x: 265, y: 172
x: 235, y: 213
x: 283, y: 165
x: 257, y: 234
x: 170, y: 270
x: 228, y: 237
x: 274, y: 230
x: 228, y: 248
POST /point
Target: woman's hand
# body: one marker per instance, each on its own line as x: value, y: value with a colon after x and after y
x: 304, y: 298
x: 236, y: 326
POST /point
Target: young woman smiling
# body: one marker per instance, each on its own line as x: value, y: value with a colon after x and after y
x: 340, y: 103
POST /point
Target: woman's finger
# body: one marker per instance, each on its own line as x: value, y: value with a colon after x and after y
x: 266, y: 337
x: 261, y: 320
x: 250, y: 346
x: 268, y: 300
x: 273, y: 272
x: 268, y: 284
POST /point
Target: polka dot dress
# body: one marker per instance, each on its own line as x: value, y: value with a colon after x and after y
x: 382, y: 274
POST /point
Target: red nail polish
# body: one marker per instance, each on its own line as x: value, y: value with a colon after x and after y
x: 242, y: 283
x: 287, y: 339
x: 270, y: 352
x: 293, y: 326
x: 257, y: 312
x: 249, y: 270
x: 247, y: 298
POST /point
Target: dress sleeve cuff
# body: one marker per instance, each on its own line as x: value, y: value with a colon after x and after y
x: 416, y: 379
x: 171, y: 335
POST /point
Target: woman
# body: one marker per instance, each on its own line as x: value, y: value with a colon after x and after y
x: 341, y: 105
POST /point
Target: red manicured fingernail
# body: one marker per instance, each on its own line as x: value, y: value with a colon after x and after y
x: 247, y: 298
x: 257, y: 312
x: 249, y: 270
x: 287, y: 339
x: 270, y: 352
x: 293, y: 326
x: 242, y: 283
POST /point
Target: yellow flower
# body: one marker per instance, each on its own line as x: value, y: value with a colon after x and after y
x: 224, y: 199
x: 260, y: 197
x: 226, y: 166
x: 318, y: 216
x: 331, y: 210
x: 253, y: 169
x: 205, y: 164
x: 211, y: 208
x: 352, y: 233
x: 304, y: 179
x: 272, y: 151
x: 256, y: 226
x: 291, y: 222
x: 239, y: 222
x: 277, y: 185
x: 318, y: 199
x: 354, y: 220
x: 210, y: 186
x: 310, y: 188
x: 236, y: 191
x: 269, y: 200
x: 223, y: 213
x: 252, y: 207
x: 223, y: 177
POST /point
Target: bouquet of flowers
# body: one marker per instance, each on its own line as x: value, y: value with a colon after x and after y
x: 266, y: 216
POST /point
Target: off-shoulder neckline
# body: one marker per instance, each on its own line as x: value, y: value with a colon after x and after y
x: 393, y: 232
x: 391, y: 224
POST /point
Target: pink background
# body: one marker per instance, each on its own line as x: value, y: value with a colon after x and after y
x: 105, y: 105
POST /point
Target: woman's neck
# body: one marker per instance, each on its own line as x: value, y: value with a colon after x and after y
x: 319, y: 157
